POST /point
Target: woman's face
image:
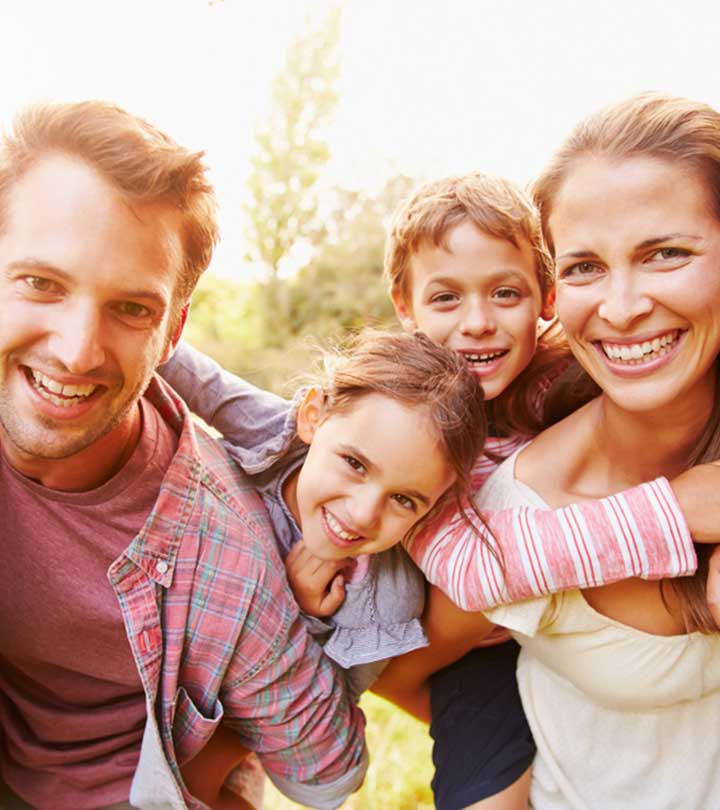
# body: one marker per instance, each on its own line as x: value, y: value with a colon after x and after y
x: 637, y: 247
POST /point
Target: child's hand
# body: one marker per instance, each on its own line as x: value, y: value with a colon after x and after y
x: 713, y: 585
x: 318, y: 585
x: 697, y: 491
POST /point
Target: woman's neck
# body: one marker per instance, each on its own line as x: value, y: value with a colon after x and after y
x: 646, y: 445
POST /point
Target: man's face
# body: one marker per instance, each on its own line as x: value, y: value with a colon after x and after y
x: 86, y: 286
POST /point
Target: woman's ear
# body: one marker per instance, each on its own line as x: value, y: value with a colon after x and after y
x: 548, y: 310
x: 310, y: 414
x: 403, y: 310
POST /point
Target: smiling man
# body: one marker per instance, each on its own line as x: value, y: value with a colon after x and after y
x: 140, y: 604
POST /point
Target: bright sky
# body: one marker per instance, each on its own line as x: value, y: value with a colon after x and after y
x: 429, y: 87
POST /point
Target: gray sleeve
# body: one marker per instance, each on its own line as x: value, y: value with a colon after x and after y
x: 258, y: 424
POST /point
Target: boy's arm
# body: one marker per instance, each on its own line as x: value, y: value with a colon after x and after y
x: 248, y: 417
x: 641, y: 532
x: 451, y: 633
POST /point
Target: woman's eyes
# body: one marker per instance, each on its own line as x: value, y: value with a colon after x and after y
x: 669, y: 253
x: 580, y: 271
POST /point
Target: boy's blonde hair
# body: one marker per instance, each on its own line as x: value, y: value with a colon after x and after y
x: 499, y: 208
x: 494, y: 205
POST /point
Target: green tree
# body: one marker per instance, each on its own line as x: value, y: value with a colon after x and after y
x: 291, y: 148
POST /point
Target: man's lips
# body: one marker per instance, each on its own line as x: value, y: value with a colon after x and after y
x: 61, y: 393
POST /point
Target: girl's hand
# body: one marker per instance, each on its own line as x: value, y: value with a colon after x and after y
x: 318, y: 585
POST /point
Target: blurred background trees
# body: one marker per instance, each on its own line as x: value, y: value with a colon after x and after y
x: 319, y: 249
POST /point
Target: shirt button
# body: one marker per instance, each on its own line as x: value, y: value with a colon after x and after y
x: 162, y: 567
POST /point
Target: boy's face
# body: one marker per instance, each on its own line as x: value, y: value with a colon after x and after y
x: 482, y: 298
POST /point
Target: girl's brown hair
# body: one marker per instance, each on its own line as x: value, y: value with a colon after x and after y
x: 679, y: 131
x: 412, y: 370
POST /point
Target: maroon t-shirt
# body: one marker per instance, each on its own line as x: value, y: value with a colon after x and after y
x: 72, y: 707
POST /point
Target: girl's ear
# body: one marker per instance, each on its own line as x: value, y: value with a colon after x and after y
x: 310, y: 414
x: 548, y: 310
x: 403, y: 310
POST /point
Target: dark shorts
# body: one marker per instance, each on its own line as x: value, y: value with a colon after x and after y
x: 482, y: 741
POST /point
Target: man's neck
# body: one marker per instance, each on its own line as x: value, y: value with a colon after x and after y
x: 86, y: 470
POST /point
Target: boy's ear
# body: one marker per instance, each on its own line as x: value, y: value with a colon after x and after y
x: 548, y: 310
x: 310, y: 414
x: 403, y: 310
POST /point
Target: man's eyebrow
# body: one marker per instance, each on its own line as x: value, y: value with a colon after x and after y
x: 350, y: 450
x: 38, y: 265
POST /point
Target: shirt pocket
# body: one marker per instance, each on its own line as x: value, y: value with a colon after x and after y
x: 191, y: 729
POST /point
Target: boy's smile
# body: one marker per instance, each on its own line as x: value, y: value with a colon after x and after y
x: 480, y: 296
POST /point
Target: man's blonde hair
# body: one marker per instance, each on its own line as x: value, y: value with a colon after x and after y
x: 142, y: 162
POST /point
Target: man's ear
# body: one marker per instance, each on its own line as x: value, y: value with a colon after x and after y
x: 176, y: 335
x: 310, y: 414
x: 403, y: 310
x: 548, y: 310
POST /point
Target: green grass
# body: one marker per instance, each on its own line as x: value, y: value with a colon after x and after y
x: 400, y: 765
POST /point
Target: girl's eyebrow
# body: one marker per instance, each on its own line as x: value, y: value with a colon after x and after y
x: 350, y: 450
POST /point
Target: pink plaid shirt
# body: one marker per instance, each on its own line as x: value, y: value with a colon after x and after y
x: 216, y: 636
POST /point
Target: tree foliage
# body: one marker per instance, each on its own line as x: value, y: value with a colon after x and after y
x: 291, y: 149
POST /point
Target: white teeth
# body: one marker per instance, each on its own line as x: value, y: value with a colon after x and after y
x: 338, y: 529
x: 636, y: 353
x: 483, y: 358
x: 69, y: 394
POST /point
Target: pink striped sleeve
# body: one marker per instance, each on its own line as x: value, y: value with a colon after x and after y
x: 523, y: 552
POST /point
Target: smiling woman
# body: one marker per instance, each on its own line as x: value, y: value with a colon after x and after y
x: 623, y: 680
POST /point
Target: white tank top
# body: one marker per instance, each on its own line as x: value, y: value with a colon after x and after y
x: 623, y: 720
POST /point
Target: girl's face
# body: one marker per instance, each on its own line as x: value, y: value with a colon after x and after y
x: 637, y: 247
x: 480, y: 297
x: 372, y: 471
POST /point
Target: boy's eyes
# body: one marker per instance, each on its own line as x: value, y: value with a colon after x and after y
x: 353, y: 463
x: 507, y: 294
x: 131, y: 310
x: 40, y: 284
x: 444, y: 298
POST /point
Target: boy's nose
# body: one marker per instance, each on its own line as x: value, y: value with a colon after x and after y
x: 477, y: 320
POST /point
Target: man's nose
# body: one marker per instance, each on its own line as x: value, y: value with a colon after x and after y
x: 77, y: 339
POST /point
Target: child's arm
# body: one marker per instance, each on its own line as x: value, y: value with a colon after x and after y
x: 248, y: 417
x: 204, y: 775
x: 451, y: 633
x: 317, y: 585
x: 641, y: 532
